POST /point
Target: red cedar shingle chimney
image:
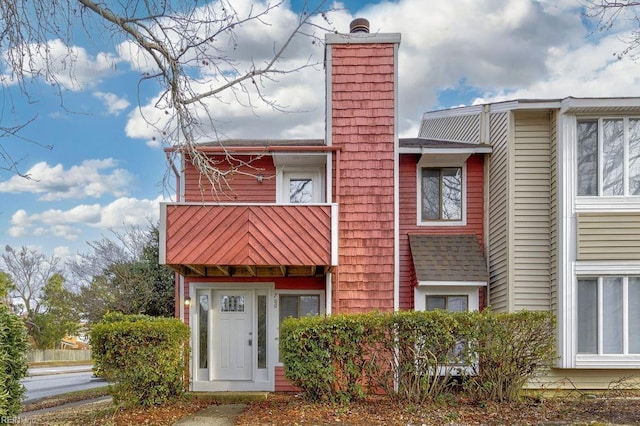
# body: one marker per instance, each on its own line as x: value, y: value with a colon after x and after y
x: 361, y: 119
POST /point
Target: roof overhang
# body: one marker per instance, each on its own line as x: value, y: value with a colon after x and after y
x: 456, y: 260
x: 600, y: 105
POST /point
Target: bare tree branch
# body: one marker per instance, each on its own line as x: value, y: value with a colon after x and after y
x: 192, y: 52
x: 606, y: 14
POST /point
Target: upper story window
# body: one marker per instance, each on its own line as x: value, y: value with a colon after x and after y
x: 300, y: 186
x: 442, y: 194
x: 300, y: 190
x: 608, y: 157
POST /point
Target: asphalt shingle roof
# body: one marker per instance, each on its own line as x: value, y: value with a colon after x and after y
x: 448, y: 258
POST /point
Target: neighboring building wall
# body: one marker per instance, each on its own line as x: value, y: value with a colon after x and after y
x: 243, y: 188
x: 409, y: 216
x: 362, y: 96
x: 608, y: 236
x: 531, y: 211
x: 603, y: 379
x: 498, y: 214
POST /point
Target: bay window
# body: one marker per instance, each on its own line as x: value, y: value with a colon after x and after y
x: 608, y: 157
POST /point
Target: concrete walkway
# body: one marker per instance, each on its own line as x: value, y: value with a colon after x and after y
x: 217, y: 415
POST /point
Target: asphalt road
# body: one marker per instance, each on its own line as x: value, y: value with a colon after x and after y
x: 44, y: 382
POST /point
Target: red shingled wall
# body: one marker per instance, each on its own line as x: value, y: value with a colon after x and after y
x: 244, y: 188
x: 363, y: 114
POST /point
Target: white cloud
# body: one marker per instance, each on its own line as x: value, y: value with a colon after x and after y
x: 72, y: 67
x: 92, y: 178
x: 486, y: 45
x: 115, y: 105
x: 68, y: 224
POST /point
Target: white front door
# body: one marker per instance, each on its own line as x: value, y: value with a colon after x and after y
x: 233, y: 335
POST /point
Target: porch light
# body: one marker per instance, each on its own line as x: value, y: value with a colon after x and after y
x: 187, y: 301
x: 259, y: 177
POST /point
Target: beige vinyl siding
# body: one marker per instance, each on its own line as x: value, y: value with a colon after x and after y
x: 531, y: 211
x: 608, y: 236
x: 587, y: 379
x: 553, y: 206
x: 498, y: 218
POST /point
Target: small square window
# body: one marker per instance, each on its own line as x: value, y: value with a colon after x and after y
x: 300, y: 191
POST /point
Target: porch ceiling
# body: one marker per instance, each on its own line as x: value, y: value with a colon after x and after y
x: 250, y: 271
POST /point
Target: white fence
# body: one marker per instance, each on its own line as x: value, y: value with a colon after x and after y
x: 51, y: 355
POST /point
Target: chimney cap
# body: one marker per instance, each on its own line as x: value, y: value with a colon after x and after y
x: 359, y: 25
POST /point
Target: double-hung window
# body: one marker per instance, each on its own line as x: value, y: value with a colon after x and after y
x: 609, y: 315
x: 441, y: 194
x: 608, y: 157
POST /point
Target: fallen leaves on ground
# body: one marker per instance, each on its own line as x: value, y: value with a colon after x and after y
x: 105, y: 413
x: 291, y: 409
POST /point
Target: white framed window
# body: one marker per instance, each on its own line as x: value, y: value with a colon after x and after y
x: 441, y: 195
x: 451, y: 303
x: 608, y: 157
x: 455, y: 298
x: 297, y: 304
x: 298, y: 186
x: 608, y: 316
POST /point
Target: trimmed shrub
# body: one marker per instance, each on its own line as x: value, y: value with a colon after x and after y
x: 414, y: 356
x: 423, y: 351
x: 13, y: 361
x: 512, y: 349
x: 142, y: 356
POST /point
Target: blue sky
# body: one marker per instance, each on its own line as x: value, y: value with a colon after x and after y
x: 105, y: 170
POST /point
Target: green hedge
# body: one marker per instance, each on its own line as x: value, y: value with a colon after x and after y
x: 13, y: 362
x: 142, y: 356
x: 413, y: 356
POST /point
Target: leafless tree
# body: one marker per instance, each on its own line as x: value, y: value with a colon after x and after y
x: 190, y: 50
x: 30, y: 270
x: 624, y: 14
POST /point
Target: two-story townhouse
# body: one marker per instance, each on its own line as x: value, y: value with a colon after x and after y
x: 307, y: 227
x: 527, y: 204
x: 563, y: 223
x: 333, y: 225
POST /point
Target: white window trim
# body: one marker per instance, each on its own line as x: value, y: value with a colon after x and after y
x: 440, y: 165
x: 605, y: 360
x: 284, y: 174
